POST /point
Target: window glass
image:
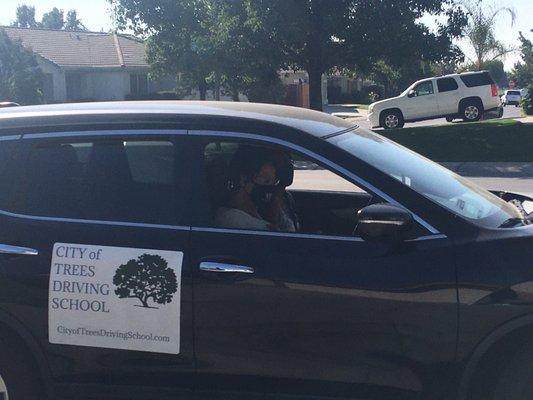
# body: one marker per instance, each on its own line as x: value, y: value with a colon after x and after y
x: 478, y: 79
x: 431, y: 180
x: 260, y: 187
x: 513, y: 92
x: 103, y: 180
x: 447, y: 84
x: 10, y: 165
x: 424, y: 88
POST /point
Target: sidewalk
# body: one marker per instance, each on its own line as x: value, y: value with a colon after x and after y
x: 528, y: 119
x: 345, y: 111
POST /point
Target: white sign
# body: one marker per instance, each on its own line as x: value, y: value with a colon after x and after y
x: 115, y: 297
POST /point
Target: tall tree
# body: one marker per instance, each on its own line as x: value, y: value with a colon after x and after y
x: 523, y: 70
x: 317, y: 35
x: 53, y: 19
x: 20, y: 76
x: 73, y: 23
x: 25, y: 17
x: 217, y: 41
x: 480, y: 31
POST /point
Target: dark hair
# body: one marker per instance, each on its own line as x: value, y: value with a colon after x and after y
x: 248, y: 161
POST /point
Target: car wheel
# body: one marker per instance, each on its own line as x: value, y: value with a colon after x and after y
x: 392, y: 119
x: 471, y: 111
x: 19, y: 377
x: 516, y: 379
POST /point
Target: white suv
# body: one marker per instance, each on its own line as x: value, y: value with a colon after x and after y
x: 467, y: 96
x: 511, y: 97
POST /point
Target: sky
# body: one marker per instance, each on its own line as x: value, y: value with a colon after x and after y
x: 96, y: 16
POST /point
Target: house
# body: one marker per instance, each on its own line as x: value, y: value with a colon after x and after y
x: 96, y: 66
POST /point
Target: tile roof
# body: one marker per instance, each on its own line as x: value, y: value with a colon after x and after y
x: 81, y: 49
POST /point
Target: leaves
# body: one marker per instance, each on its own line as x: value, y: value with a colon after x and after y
x: 20, y: 75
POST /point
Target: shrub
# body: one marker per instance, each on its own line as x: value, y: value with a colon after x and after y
x: 527, y: 101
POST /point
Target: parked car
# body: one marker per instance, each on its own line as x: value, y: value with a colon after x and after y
x: 8, y: 104
x: 115, y: 280
x: 468, y: 96
x: 511, y: 97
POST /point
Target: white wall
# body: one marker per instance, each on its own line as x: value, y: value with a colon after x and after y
x: 58, y: 77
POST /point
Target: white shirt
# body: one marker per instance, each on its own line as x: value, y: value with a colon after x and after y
x: 235, y: 218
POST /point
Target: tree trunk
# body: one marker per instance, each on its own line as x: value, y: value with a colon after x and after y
x: 235, y: 94
x: 315, y: 89
x: 202, y: 88
x: 217, y: 87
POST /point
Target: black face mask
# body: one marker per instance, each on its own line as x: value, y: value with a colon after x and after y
x: 262, y: 194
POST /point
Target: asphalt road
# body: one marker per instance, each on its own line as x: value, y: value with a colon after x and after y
x: 508, y: 112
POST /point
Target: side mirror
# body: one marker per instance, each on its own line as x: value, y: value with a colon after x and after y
x: 411, y: 93
x: 383, y: 222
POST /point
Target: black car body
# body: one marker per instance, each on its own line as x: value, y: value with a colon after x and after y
x: 322, y: 315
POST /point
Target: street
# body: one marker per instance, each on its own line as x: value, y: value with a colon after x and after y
x: 509, y: 112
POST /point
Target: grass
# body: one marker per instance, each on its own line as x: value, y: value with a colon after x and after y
x: 498, y: 140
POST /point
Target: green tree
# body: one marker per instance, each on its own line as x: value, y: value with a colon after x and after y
x: 216, y: 42
x: 480, y: 31
x: 53, y: 19
x: 523, y: 70
x: 20, y: 75
x: 25, y: 17
x: 147, y: 277
x: 73, y: 23
x: 318, y: 35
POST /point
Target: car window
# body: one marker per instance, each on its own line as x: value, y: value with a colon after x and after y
x: 447, y: 85
x: 477, y: 79
x: 429, y: 179
x: 513, y: 92
x: 310, y: 198
x: 424, y: 88
x: 106, y: 179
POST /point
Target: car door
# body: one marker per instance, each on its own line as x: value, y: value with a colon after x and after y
x: 421, y: 102
x: 95, y: 261
x: 449, y: 96
x: 315, y: 314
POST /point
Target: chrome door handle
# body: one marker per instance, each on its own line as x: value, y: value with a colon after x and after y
x: 211, y: 266
x: 16, y: 250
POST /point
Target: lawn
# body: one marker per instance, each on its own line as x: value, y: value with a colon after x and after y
x: 498, y: 140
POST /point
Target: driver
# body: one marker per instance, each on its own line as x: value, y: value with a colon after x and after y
x: 252, y: 181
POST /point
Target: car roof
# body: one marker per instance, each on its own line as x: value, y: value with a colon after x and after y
x: 312, y: 122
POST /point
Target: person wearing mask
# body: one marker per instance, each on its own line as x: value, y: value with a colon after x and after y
x: 252, y: 184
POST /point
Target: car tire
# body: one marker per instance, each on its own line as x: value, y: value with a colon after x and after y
x: 19, y: 376
x: 471, y: 111
x: 392, y: 119
x: 516, y: 379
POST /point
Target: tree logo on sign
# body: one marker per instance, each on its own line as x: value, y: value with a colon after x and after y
x: 147, y: 277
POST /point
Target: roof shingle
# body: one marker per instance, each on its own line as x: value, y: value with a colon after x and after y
x: 81, y: 49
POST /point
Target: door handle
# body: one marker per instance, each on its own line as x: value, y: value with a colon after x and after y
x: 212, y: 266
x: 16, y: 250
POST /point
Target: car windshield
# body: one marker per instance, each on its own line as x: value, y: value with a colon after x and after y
x: 428, y: 178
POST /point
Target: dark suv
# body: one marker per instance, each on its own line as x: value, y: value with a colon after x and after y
x: 398, y: 279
